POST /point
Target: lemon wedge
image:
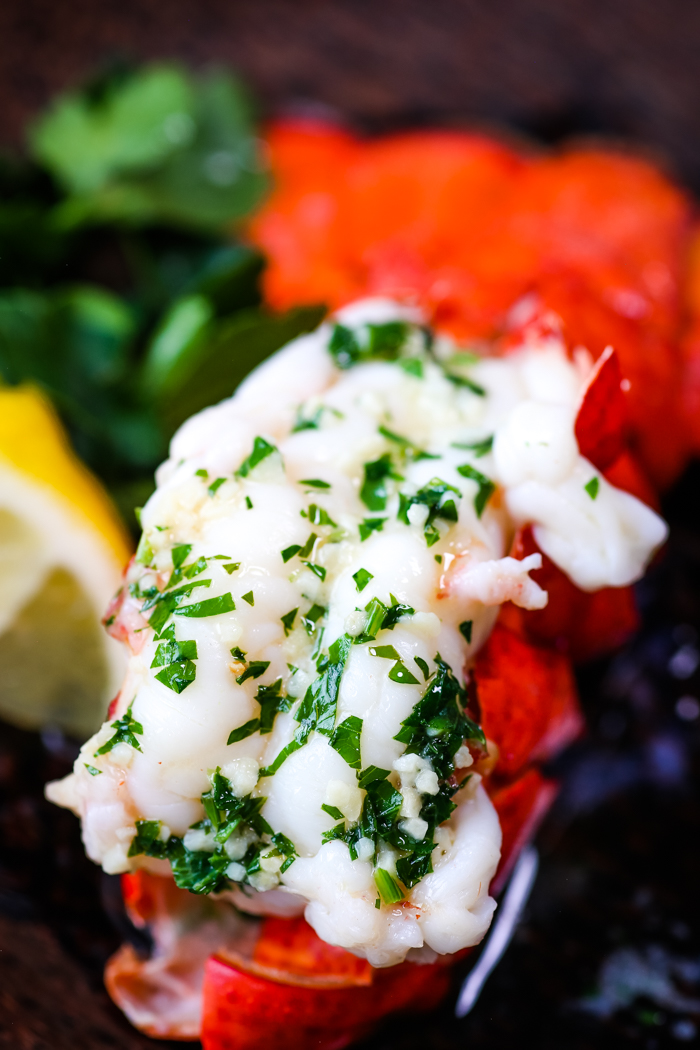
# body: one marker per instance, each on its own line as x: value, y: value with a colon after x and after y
x: 62, y: 549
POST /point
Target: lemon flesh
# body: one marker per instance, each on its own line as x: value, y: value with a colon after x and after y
x: 61, y: 552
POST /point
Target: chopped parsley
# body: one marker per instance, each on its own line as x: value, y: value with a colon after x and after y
x: 215, y: 486
x: 362, y: 578
x: 466, y: 629
x: 592, y: 487
x: 288, y: 620
x: 387, y: 886
x: 346, y: 740
x: 127, y: 729
x: 479, y: 448
x: 370, y: 525
x: 333, y: 812
x: 413, y: 366
x: 310, y: 619
x: 370, y: 775
x: 232, y: 566
x: 261, y: 450
x: 422, y: 664
x: 289, y: 552
x: 383, y: 341
x: 249, y: 503
x: 434, y: 496
x: 92, y: 770
x: 315, y: 483
x: 374, y: 492
x: 224, y: 603
x: 317, y: 710
x: 311, y: 422
x: 249, y: 597
x: 244, y: 731
x: 144, y: 551
x: 201, y: 473
x: 318, y: 516
x: 238, y: 654
x: 409, y: 450
x: 147, y: 839
x: 399, y: 672
x: 486, y: 486
x: 255, y: 668
x: 381, y: 618
x: 176, y: 659
x: 317, y: 570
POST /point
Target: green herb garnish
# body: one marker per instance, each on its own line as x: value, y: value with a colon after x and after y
x: 346, y: 740
x: 374, y: 492
x: 592, y: 487
x: 486, y: 486
x: 261, y: 450
x: 288, y: 620
x: 435, y: 497
x: 127, y: 728
x: 362, y: 578
x: 370, y: 525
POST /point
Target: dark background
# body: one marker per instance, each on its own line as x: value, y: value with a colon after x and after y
x: 621, y: 867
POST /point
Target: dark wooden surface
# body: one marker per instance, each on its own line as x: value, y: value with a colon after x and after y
x: 547, y: 67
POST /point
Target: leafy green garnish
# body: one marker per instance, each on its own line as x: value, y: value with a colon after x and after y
x: 261, y: 450
x: 371, y: 342
x: 479, y: 448
x: 255, y: 668
x: 434, y: 497
x: 370, y: 525
x: 127, y: 728
x: 486, y: 486
x: 346, y: 740
x: 310, y: 619
x: 249, y: 503
x: 374, y: 492
x: 244, y: 731
x: 232, y: 566
x: 362, y: 578
x: 92, y: 770
x: 249, y: 597
x: 317, y: 570
x: 466, y: 629
x: 224, y: 603
x: 409, y: 450
x: 318, y: 516
x: 413, y: 366
x: 387, y: 886
x: 423, y: 665
x: 288, y: 620
x: 592, y: 487
x: 315, y: 483
x: 146, y: 839
x: 370, y: 775
x: 437, y: 727
x: 289, y: 552
x: 333, y: 812
x: 399, y: 672
x: 215, y: 486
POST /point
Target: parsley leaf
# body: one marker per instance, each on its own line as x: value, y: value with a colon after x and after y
x: 592, y: 487
x: 289, y: 552
x: 215, y: 486
x: 362, y: 578
x: 370, y: 525
x: 232, y: 566
x: 318, y: 516
x: 310, y: 619
x: 466, y: 629
x: 288, y: 620
x: 224, y: 603
x: 249, y: 597
x: 423, y: 666
x: 374, y: 492
x: 434, y: 497
x: 333, y: 812
x: 261, y: 450
x: 370, y: 774
x: 346, y: 740
x: 315, y: 483
x: 246, y: 730
x: 146, y: 839
x: 387, y: 886
x: 479, y: 448
x: 255, y: 669
x: 486, y: 486
x: 126, y: 730
x: 409, y: 450
x: 317, y: 570
x: 92, y: 770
